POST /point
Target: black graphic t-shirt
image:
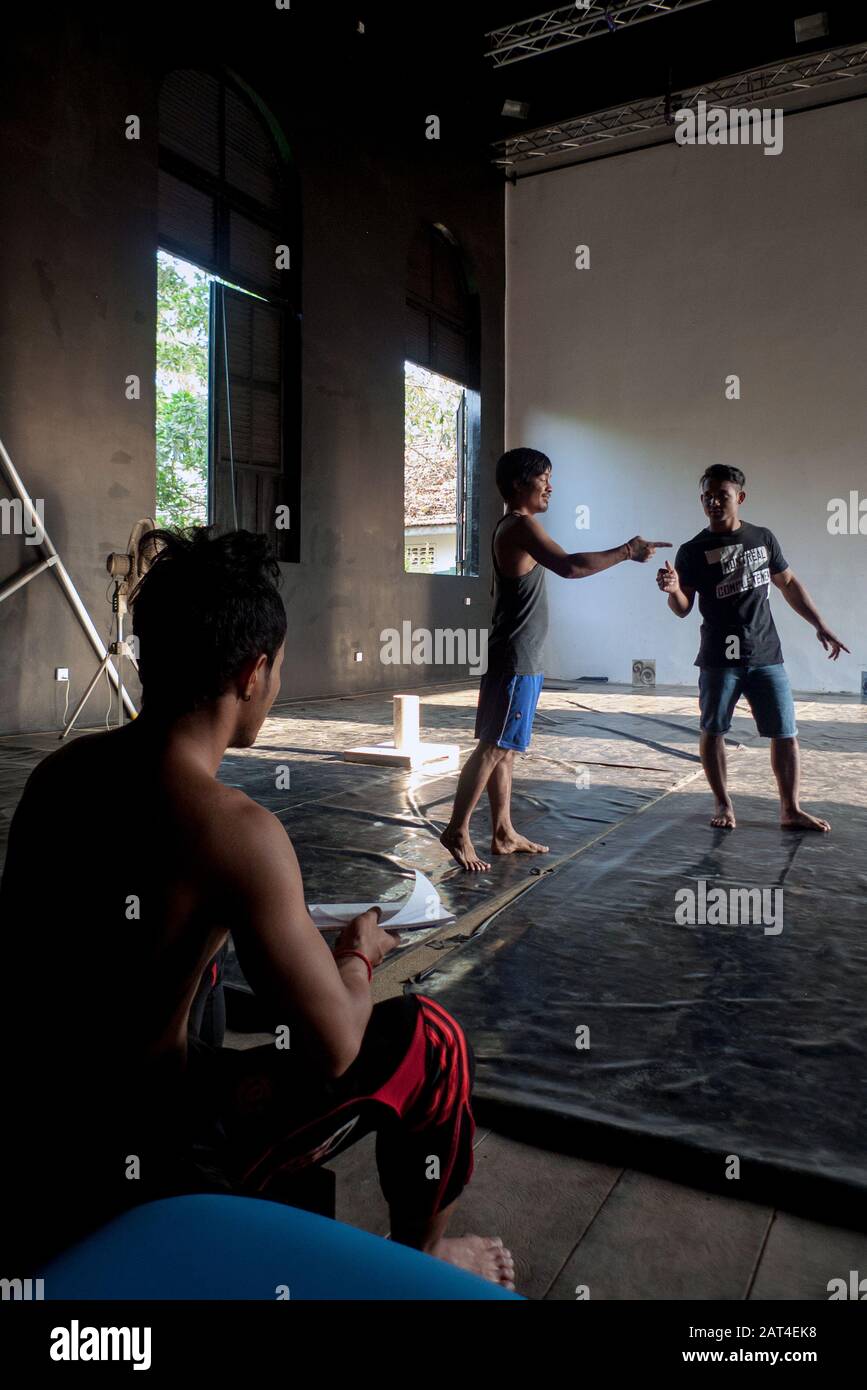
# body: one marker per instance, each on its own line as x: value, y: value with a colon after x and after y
x: 731, y: 573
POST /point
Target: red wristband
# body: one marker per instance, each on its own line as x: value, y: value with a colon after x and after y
x: 347, y: 952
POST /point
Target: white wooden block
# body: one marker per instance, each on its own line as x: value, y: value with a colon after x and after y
x: 406, y: 721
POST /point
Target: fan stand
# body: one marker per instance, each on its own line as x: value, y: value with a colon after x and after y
x: 119, y: 648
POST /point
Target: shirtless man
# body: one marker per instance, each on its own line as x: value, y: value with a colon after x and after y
x: 731, y: 565
x: 521, y: 552
x: 128, y: 865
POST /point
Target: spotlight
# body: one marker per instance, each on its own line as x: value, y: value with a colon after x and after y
x: 811, y: 26
x: 519, y: 109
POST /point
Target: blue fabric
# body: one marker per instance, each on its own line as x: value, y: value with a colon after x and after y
x: 766, y: 688
x: 507, y: 705
x: 214, y: 1246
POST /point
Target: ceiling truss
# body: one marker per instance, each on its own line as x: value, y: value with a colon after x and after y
x: 575, y: 23
x: 653, y: 117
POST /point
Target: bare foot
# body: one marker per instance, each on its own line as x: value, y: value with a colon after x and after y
x: 800, y: 820
x: 486, y: 1256
x: 512, y: 843
x: 460, y: 847
x: 724, y: 819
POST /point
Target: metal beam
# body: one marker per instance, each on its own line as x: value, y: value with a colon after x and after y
x: 51, y: 560
x: 835, y: 66
x: 575, y: 24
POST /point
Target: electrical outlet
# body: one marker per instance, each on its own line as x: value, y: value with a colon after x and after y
x: 467, y: 601
x: 61, y: 673
x: 358, y: 656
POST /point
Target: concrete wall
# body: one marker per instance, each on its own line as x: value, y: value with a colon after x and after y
x: 704, y: 261
x: 77, y: 286
x: 77, y: 282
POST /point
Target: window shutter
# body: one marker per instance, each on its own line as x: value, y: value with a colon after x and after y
x: 252, y: 258
x: 450, y: 351
x: 222, y: 207
x: 226, y: 202
x: 418, y: 327
x: 187, y: 221
x: 440, y: 322
x: 190, y: 118
x: 253, y: 344
x: 251, y: 161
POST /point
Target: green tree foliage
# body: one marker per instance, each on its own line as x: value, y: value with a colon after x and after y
x: 183, y: 301
x: 431, y: 409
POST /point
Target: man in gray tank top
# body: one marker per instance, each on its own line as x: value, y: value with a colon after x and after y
x: 521, y: 552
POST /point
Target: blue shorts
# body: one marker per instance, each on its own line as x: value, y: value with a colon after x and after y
x: 507, y: 705
x: 767, y: 691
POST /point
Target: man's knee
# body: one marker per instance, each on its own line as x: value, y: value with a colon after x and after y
x: 450, y: 1044
x: 493, y: 753
x: 448, y: 1052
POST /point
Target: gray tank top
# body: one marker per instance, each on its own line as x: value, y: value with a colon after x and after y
x: 520, y: 619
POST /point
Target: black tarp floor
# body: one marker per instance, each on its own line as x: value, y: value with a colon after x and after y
x: 360, y: 831
x: 706, y: 1042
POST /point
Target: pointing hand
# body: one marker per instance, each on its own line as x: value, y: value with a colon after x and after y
x: 642, y: 550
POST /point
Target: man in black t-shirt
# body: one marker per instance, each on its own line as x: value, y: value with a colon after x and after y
x: 731, y: 565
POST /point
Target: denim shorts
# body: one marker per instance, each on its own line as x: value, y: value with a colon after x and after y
x: 507, y: 705
x: 767, y: 691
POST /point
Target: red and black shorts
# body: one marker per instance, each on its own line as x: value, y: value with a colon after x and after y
x: 263, y: 1114
x: 244, y: 1121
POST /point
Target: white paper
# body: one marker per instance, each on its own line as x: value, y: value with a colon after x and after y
x: 421, y: 909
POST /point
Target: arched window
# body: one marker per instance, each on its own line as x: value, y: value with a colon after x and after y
x: 229, y: 233
x: 441, y: 513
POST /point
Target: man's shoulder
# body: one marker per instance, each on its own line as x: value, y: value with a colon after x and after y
x: 77, y: 759
x: 514, y: 537
x: 687, y: 550
x: 230, y: 812
x: 513, y: 526
x: 699, y: 539
x: 762, y: 533
x: 236, y: 831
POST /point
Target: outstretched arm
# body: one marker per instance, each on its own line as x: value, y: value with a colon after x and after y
x: 535, y: 540
x: 796, y: 597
